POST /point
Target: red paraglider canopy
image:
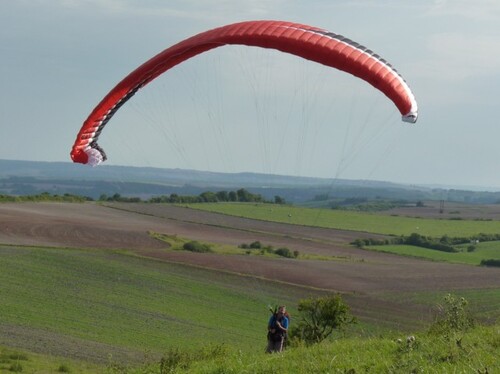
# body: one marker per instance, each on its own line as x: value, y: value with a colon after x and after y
x: 309, y: 42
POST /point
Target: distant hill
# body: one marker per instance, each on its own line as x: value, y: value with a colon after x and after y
x: 31, y: 177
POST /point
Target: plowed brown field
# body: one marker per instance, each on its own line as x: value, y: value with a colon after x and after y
x: 126, y: 226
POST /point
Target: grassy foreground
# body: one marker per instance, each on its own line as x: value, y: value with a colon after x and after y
x: 355, y: 221
x: 477, y: 352
x: 20, y: 361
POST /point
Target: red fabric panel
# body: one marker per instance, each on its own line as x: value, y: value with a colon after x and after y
x: 301, y: 40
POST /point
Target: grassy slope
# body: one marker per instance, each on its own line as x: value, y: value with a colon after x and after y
x: 478, y: 353
x: 15, y: 360
x: 356, y: 221
x: 130, y: 302
x: 484, y: 304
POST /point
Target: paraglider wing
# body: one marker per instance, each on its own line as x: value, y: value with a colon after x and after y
x: 309, y: 42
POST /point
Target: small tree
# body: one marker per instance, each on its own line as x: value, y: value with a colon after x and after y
x: 471, y: 248
x: 283, y: 252
x: 208, y: 197
x: 279, y: 200
x: 255, y: 245
x: 195, y: 246
x: 222, y: 196
x: 320, y: 317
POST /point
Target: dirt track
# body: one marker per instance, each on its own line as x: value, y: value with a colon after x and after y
x: 94, y: 226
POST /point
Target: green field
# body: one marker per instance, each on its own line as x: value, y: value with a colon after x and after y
x: 132, y: 303
x: 486, y: 250
x: 355, y: 221
x: 483, y: 303
x: 377, y: 224
x: 94, y: 311
x: 16, y: 360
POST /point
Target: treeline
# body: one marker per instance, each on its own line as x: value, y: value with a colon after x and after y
x: 444, y: 244
x: 45, y: 197
x: 490, y: 262
x: 241, y: 195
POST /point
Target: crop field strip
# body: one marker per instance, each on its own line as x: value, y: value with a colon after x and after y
x: 353, y: 221
x: 489, y: 250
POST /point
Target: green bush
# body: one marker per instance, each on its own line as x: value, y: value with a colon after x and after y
x: 174, y: 359
x: 490, y: 262
x: 453, y: 318
x: 63, y: 368
x: 320, y: 317
x: 285, y: 252
x: 471, y: 248
x: 360, y: 243
x: 256, y: 245
x: 195, y: 246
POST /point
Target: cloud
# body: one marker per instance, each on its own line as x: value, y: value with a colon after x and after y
x: 479, y: 10
x: 182, y: 9
x: 457, y: 56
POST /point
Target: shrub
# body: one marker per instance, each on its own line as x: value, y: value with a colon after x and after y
x: 256, y: 245
x: 471, y: 248
x: 490, y: 262
x: 320, y: 317
x: 63, y: 368
x: 360, y: 243
x: 174, y: 359
x: 284, y: 252
x: 195, y: 246
x: 453, y: 318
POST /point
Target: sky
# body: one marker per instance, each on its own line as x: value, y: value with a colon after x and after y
x: 238, y: 109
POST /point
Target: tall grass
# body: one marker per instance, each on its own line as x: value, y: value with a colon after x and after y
x: 478, y: 352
